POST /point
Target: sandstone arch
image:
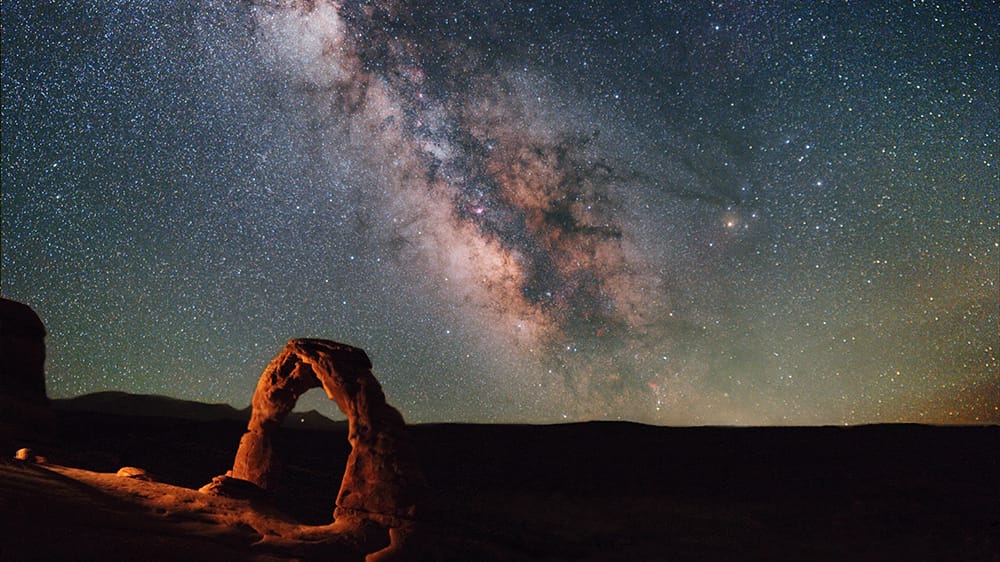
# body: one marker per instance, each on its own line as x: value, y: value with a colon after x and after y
x: 382, y: 481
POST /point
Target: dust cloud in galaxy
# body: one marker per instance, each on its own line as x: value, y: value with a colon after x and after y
x: 515, y: 211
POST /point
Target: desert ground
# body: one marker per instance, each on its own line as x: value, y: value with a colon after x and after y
x: 588, y: 491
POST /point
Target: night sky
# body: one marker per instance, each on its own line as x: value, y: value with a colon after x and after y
x: 678, y: 213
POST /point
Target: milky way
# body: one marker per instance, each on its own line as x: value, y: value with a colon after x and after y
x: 523, y: 211
x: 519, y: 217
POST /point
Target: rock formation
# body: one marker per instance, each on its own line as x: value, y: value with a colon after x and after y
x: 382, y: 482
x: 23, y: 353
x: 24, y: 406
x: 135, y: 473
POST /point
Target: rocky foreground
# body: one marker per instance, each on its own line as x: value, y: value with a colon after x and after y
x: 595, y: 491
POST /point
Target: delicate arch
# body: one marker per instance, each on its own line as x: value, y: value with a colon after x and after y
x: 382, y: 480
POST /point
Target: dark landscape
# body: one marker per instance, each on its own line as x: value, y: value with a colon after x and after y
x: 585, y: 491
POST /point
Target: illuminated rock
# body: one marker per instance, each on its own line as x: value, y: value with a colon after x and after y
x: 135, y: 473
x: 382, y: 481
x: 228, y: 487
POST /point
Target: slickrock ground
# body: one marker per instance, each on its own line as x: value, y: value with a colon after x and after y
x: 590, y: 492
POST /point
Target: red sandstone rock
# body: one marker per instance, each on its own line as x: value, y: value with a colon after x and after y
x: 382, y: 481
x: 229, y: 487
x: 27, y: 455
x: 135, y: 473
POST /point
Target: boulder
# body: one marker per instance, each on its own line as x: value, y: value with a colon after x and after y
x: 135, y: 473
x: 228, y: 487
x: 27, y: 455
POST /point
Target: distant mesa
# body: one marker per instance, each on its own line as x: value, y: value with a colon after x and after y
x: 148, y: 405
x: 382, y: 483
x: 154, y: 406
x: 24, y: 405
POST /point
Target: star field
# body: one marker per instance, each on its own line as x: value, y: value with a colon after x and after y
x: 666, y: 212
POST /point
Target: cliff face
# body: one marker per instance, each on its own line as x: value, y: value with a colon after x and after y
x: 22, y: 353
x: 24, y: 406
